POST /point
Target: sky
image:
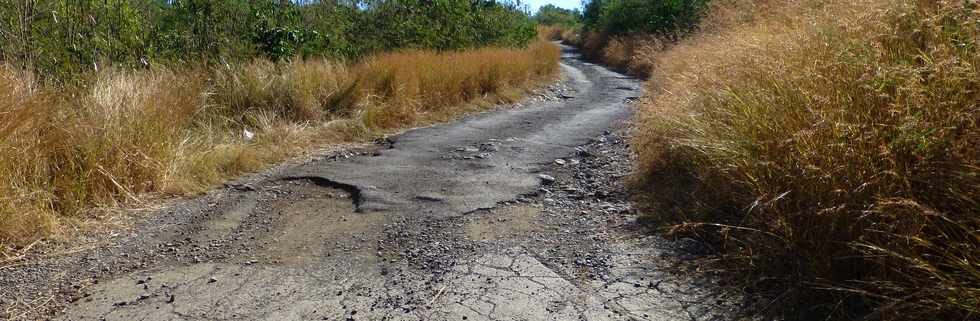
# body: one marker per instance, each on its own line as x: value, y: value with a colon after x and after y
x: 569, y: 4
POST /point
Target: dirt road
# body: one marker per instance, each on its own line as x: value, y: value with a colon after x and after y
x: 516, y: 214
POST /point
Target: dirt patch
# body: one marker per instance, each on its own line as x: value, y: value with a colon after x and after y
x: 316, y: 222
x: 230, y: 219
x: 504, y: 223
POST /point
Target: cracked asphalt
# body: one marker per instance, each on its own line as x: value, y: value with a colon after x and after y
x: 515, y: 214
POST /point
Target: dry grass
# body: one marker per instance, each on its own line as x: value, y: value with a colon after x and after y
x: 632, y: 54
x: 831, y: 149
x: 559, y: 33
x: 126, y: 135
x: 397, y: 94
x: 550, y: 33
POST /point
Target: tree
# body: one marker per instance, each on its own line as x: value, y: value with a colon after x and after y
x: 552, y: 15
x: 629, y: 16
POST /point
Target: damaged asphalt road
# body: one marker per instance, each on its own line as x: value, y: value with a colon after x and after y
x: 515, y: 214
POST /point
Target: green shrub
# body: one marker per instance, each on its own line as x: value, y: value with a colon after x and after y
x: 66, y: 37
x: 61, y: 39
x: 619, y: 17
x: 551, y: 15
x: 442, y: 25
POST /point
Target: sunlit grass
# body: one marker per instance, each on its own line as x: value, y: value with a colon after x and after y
x: 830, y: 148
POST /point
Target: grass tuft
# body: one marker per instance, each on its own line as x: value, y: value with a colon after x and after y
x: 830, y: 148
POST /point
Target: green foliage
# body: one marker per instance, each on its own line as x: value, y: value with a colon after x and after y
x: 647, y: 16
x: 278, y: 31
x: 71, y: 35
x: 442, y: 24
x: 61, y: 39
x: 200, y: 29
x: 551, y: 15
x: 333, y: 24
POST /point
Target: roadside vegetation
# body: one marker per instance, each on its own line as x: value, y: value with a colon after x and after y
x: 626, y: 35
x: 61, y: 39
x: 112, y: 104
x: 828, y: 149
x: 551, y: 15
x: 555, y: 23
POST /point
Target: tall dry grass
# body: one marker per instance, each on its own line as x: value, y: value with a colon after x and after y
x: 126, y: 135
x: 396, y: 94
x: 634, y: 54
x: 550, y: 33
x: 830, y: 148
x: 567, y: 34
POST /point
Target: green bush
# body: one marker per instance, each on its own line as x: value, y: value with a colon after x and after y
x: 442, y: 24
x: 61, y: 39
x: 551, y: 15
x: 69, y: 36
x: 619, y: 17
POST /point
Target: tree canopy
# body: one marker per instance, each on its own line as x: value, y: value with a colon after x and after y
x: 69, y: 36
x: 646, y: 16
x: 552, y: 15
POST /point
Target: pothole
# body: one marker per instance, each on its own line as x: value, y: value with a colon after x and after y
x: 504, y: 223
x: 316, y: 220
x: 353, y: 191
